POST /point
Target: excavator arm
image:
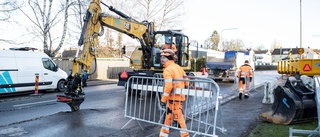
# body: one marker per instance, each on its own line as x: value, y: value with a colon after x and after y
x: 94, y: 21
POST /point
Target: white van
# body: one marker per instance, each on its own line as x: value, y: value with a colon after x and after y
x: 18, y: 69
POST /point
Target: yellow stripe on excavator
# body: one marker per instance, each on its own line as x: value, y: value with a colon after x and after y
x: 309, y: 67
x: 124, y: 26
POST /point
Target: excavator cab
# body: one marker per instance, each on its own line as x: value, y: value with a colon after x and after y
x: 175, y: 40
x: 146, y: 64
x: 294, y: 102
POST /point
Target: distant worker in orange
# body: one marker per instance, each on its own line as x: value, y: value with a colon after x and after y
x: 245, y: 73
x: 174, y: 108
x: 168, y: 44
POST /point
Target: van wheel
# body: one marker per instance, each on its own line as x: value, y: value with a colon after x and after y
x: 60, y: 86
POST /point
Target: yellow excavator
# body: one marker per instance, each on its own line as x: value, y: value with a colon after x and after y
x: 145, y: 59
x: 295, y: 101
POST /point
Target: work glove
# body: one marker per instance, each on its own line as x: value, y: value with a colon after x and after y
x: 250, y: 79
x: 163, y: 105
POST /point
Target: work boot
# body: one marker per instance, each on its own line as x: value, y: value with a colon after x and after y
x: 240, y: 95
x: 246, y: 96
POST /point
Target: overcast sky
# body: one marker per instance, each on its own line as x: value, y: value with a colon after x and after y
x: 258, y: 22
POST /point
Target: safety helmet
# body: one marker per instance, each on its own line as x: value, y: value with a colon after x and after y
x: 167, y: 52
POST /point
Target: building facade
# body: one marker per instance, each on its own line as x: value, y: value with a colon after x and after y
x: 263, y: 57
x: 284, y: 54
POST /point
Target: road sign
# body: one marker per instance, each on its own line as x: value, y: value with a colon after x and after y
x: 300, y: 51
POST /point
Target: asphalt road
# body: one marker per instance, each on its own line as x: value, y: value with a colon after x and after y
x: 102, y: 114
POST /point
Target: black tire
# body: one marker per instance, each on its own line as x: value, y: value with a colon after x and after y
x: 61, y: 86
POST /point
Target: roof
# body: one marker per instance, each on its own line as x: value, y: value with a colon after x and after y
x: 261, y: 51
x: 317, y: 51
x: 277, y: 51
x: 68, y: 53
x: 312, y: 51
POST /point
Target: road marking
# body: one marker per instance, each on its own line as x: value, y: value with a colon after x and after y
x: 34, y: 103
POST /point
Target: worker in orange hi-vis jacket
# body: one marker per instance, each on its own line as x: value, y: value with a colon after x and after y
x: 172, y: 72
x: 245, y: 73
x: 170, y: 45
x: 167, y: 46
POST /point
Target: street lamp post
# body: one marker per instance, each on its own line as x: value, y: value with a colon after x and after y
x: 221, y: 35
x: 300, y: 26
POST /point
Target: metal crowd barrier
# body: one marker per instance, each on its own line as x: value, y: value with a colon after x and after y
x: 249, y: 86
x: 317, y: 130
x: 269, y: 87
x: 201, y: 109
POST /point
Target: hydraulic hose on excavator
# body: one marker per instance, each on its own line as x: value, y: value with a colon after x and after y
x: 294, y: 102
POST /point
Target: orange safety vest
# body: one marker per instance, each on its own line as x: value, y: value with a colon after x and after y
x: 172, y: 72
x: 245, y: 71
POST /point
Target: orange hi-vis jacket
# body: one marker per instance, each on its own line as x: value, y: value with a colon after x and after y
x: 172, y: 72
x: 245, y: 71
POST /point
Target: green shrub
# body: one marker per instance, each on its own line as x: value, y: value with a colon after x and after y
x: 200, y: 62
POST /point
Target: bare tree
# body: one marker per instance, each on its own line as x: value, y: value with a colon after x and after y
x: 275, y: 45
x: 260, y: 47
x: 77, y: 11
x: 215, y: 39
x: 150, y: 8
x: 8, y: 8
x: 170, y: 16
x: 65, y: 25
x: 208, y: 44
x: 163, y: 13
x: 49, y: 19
x: 194, y: 43
x: 234, y: 44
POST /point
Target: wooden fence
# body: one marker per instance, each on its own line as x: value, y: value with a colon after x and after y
x: 106, y: 68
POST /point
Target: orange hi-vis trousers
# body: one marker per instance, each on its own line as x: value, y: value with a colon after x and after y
x: 244, y: 85
x: 176, y: 108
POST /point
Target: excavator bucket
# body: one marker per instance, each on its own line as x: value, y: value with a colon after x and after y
x: 73, y: 102
x: 294, y: 103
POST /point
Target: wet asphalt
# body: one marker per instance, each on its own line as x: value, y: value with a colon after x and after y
x: 239, y: 117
